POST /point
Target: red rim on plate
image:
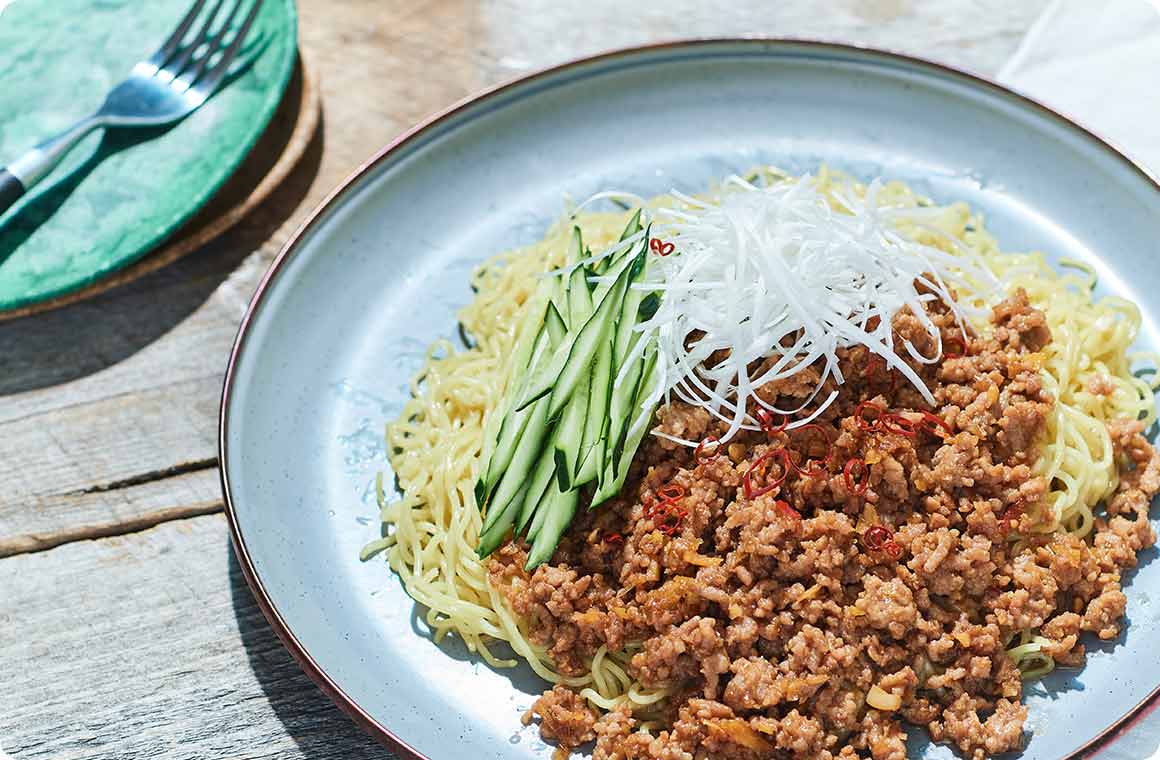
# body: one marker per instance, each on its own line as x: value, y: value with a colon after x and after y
x: 379, y: 731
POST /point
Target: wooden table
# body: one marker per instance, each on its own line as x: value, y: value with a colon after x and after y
x: 126, y: 629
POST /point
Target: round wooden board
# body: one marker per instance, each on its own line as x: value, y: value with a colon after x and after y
x: 276, y: 153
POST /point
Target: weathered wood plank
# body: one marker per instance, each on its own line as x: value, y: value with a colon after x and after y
x: 150, y: 645
x: 121, y: 508
x: 127, y: 385
x: 118, y: 438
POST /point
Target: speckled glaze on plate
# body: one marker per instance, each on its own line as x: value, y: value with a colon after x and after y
x: 118, y: 194
x: 341, y: 321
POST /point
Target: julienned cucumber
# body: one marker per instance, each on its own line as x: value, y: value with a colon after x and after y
x: 529, y: 334
x: 556, y: 521
x: 620, y: 458
x: 511, y: 429
x: 602, y: 266
x: 573, y: 359
x: 567, y: 424
x: 599, y: 397
x: 569, y: 435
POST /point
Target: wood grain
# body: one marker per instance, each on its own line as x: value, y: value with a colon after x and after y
x: 147, y: 644
x: 182, y: 491
x: 150, y: 645
x: 127, y: 384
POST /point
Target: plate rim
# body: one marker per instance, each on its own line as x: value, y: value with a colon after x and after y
x: 265, y: 114
x: 305, y: 660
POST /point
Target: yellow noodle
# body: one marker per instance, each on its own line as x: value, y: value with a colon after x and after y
x: 431, y: 532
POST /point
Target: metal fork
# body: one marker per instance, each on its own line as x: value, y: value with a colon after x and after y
x: 164, y: 88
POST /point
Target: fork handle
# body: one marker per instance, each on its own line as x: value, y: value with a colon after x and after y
x: 11, y: 189
x: 20, y: 175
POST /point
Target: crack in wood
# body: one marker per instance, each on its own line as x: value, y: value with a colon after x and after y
x: 183, y: 468
x: 36, y: 542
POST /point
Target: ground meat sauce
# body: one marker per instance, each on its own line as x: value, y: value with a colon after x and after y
x: 775, y: 613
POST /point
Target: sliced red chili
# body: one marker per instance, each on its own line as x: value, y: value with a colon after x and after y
x: 896, y: 423
x: 814, y: 467
x: 875, y: 537
x: 669, y: 523
x: 935, y: 424
x: 868, y: 424
x: 892, y: 549
x: 762, y: 462
x: 765, y: 420
x: 954, y: 340
x: 613, y: 538
x: 661, y: 248
x: 785, y: 509
x: 657, y: 509
x: 707, y: 450
x: 671, y: 491
x: 855, y: 485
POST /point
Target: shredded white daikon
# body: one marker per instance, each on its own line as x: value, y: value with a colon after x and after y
x: 785, y: 275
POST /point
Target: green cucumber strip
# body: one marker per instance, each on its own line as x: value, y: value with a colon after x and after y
x: 638, y: 262
x: 530, y: 327
x: 619, y: 414
x: 557, y: 327
x: 592, y: 447
x: 559, y: 300
x: 624, y: 392
x: 511, y: 429
x: 556, y: 521
x: 606, y: 446
x: 523, y: 457
x: 546, y: 505
x: 616, y: 478
x: 491, y: 537
x: 510, y: 433
x: 621, y: 452
x: 528, y: 335
x: 545, y: 465
x: 649, y: 306
x: 630, y: 229
x: 572, y: 360
x: 648, y: 380
x: 630, y: 252
x: 540, y: 484
x: 578, y: 290
x: 579, y: 297
x: 588, y: 343
x: 630, y: 315
x: 569, y: 434
x: 589, y: 468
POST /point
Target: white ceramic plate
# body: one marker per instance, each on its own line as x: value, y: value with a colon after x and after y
x: 342, y: 319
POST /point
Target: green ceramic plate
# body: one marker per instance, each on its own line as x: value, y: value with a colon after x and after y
x: 118, y: 194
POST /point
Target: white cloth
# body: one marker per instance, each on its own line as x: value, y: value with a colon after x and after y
x: 1098, y: 62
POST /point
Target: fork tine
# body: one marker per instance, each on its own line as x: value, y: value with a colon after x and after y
x: 170, y: 46
x: 215, y: 44
x: 214, y: 76
x: 175, y: 67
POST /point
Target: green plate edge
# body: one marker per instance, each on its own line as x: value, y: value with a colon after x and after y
x: 95, y: 215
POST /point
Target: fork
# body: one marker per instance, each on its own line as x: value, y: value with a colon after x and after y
x: 162, y: 89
